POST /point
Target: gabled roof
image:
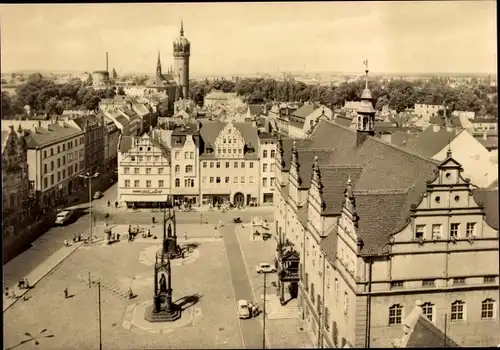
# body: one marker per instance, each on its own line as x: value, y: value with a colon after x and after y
x: 209, y: 131
x: 429, y: 142
x: 126, y: 143
x: 489, y: 198
x: 343, y: 120
x: 304, y: 111
x: 82, y: 121
x: 334, y: 180
x: 52, y: 134
x: 306, y: 160
x: 287, y: 144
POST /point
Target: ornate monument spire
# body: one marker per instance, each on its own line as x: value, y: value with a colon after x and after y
x: 182, y: 27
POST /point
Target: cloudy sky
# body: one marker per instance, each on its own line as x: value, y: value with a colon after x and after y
x: 397, y: 37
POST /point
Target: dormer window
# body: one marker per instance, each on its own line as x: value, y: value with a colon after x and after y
x: 229, y: 141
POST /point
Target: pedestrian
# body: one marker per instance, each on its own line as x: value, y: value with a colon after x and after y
x: 79, y: 237
x: 66, y: 242
x: 117, y: 236
x: 185, y: 236
x: 109, y: 203
x: 130, y: 293
x: 116, y: 205
x: 6, y: 292
x: 149, y: 233
x: 26, y: 284
x: 250, y: 308
x: 66, y: 293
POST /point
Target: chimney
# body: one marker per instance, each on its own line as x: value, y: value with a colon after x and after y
x: 436, y: 128
x: 106, y: 61
x: 386, y: 136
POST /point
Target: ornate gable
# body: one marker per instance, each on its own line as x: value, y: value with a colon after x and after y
x: 229, y: 143
x: 316, y: 203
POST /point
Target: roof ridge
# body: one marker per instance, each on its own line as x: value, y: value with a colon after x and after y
x: 404, y: 150
x: 341, y: 166
x: 382, y: 191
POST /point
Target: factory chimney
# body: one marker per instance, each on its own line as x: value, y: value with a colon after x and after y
x: 106, y: 61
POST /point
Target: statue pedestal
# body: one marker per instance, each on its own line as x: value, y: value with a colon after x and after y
x: 171, y: 248
x: 162, y: 316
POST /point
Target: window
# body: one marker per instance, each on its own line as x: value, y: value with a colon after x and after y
x: 458, y: 281
x: 189, y: 168
x: 204, y: 164
x: 64, y: 173
x: 186, y: 155
x: 177, y: 183
x: 471, y: 230
x: 436, y: 231
x: 52, y: 150
x: 191, y: 155
x: 457, y: 311
x: 489, y: 279
x: 52, y: 165
x: 45, y: 168
x: 160, y: 170
x: 156, y: 158
x: 243, y: 165
x: 58, y: 162
x: 346, y: 303
x: 251, y: 165
x: 136, y: 183
x: 227, y: 164
x: 140, y: 158
x: 273, y: 153
x: 148, y: 170
x: 148, y: 158
x: 264, y: 168
x: 177, y: 169
x: 264, y: 154
x: 58, y: 149
x: 454, y: 228
x: 131, y: 158
x: 235, y: 180
x: 250, y: 179
x: 51, y: 179
x: 160, y: 183
x: 395, y: 314
x: 227, y: 179
x: 428, y: 311
x: 211, y: 164
x: 217, y: 165
x: 242, y: 180
x: 187, y: 183
x: 420, y: 232
x: 217, y: 179
x: 397, y: 284
x: 264, y: 182
x: 487, y: 309
x: 271, y: 181
x: 271, y: 167
x: 235, y: 165
x: 64, y: 160
x: 58, y: 176
x: 428, y: 283
x: 148, y: 183
x: 136, y: 171
x: 127, y: 183
x: 44, y: 154
x: 211, y: 179
x: 337, y: 289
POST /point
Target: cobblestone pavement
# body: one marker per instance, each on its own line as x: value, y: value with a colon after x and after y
x: 74, y: 321
x: 282, y: 333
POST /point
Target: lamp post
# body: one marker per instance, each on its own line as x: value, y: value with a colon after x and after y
x: 264, y: 308
x: 90, y: 177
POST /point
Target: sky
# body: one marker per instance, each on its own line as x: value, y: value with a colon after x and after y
x: 238, y: 38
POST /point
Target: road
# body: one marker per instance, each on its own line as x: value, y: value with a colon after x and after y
x: 251, y: 328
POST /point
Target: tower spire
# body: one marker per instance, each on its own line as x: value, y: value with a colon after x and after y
x: 365, y: 62
x: 158, y: 65
x: 182, y: 27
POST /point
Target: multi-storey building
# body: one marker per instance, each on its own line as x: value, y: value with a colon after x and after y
x: 229, y: 157
x: 378, y: 228
x: 267, y: 163
x: 15, y: 180
x: 111, y: 140
x: 185, y: 142
x: 56, y: 156
x: 92, y: 126
x: 143, y: 171
x: 427, y: 111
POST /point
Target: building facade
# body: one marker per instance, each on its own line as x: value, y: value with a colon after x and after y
x: 185, y: 142
x: 143, y: 171
x: 93, y: 128
x: 56, y: 156
x: 111, y: 142
x: 267, y: 164
x: 372, y: 243
x: 15, y: 181
x: 229, y: 158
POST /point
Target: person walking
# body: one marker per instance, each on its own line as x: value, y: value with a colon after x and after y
x: 109, y: 203
x: 66, y: 242
x: 116, y: 204
x: 185, y: 236
x: 66, y: 294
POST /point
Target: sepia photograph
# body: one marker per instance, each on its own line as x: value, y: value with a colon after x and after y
x: 250, y: 175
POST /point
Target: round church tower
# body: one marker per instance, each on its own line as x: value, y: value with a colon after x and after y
x: 182, y: 51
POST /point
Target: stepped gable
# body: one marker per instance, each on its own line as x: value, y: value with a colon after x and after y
x: 287, y: 150
x: 329, y: 245
x: 489, y: 199
x: 334, y: 179
x: 306, y: 160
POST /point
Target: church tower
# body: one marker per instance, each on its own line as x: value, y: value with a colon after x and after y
x: 158, y: 66
x: 366, y: 114
x: 182, y: 51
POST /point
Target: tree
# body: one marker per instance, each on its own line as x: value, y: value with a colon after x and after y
x: 10, y: 106
x: 121, y: 91
x: 50, y: 106
x: 381, y: 102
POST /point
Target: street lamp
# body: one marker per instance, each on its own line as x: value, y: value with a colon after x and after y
x: 264, y: 309
x: 32, y: 338
x: 90, y: 177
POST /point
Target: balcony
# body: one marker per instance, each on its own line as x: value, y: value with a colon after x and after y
x: 289, y: 275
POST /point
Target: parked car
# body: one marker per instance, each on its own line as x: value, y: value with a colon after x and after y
x: 265, y: 268
x: 243, y: 310
x: 64, y: 217
x: 97, y: 195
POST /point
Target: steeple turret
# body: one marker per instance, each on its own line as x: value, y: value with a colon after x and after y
x: 366, y: 113
x: 158, y: 65
x: 182, y: 51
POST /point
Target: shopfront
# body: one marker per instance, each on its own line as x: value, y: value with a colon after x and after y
x: 144, y: 198
x: 181, y: 199
x: 215, y: 199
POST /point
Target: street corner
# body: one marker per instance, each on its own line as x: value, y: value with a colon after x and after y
x: 134, y: 317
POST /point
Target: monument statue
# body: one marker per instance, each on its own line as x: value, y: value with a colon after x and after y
x: 163, y: 284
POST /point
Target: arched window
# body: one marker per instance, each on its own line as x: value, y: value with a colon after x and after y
x: 428, y: 310
x: 189, y: 168
x: 395, y: 314
x: 457, y: 311
x: 177, y: 182
x: 177, y: 169
x: 488, y: 309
